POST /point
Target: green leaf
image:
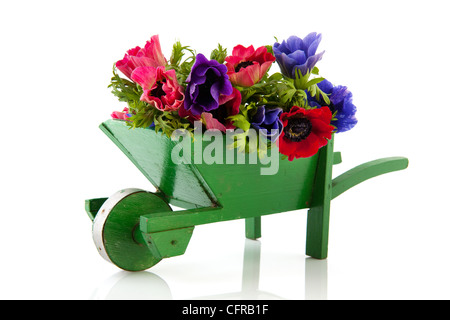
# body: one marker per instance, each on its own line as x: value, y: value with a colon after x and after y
x: 287, y: 95
x: 182, y: 68
x: 325, y: 97
x: 314, y: 81
x: 240, y: 121
x: 240, y: 142
x: 219, y: 54
x: 275, y: 77
x: 300, y: 81
x: 178, y: 53
x: 143, y: 117
x: 249, y: 143
x: 124, y: 89
x: 247, y: 93
x: 319, y: 94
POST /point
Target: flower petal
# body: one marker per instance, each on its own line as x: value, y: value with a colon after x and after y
x: 242, y: 78
x: 286, y: 146
x: 271, y: 115
x: 242, y: 51
x: 207, y: 81
x: 259, y: 117
x: 311, y: 62
x: 294, y: 43
x: 144, y: 76
x: 308, y: 147
x: 152, y: 51
x: 326, y: 86
x: 310, y: 39
x: 211, y: 123
x: 286, y: 64
x: 313, y: 47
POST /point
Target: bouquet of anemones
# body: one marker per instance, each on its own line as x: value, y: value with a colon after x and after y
x: 296, y: 108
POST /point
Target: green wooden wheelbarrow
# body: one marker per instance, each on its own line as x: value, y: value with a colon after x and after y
x: 135, y: 229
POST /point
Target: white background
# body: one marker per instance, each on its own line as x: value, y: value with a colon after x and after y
x: 389, y: 237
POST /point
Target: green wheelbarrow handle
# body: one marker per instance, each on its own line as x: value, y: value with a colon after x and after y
x: 366, y: 171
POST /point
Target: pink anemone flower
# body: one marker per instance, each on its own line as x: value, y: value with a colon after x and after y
x: 149, y: 56
x: 247, y: 66
x: 124, y: 115
x: 161, y: 88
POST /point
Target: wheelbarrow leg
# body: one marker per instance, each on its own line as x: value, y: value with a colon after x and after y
x: 253, y: 228
x: 319, y: 213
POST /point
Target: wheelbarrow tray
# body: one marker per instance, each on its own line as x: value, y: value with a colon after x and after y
x: 240, y: 186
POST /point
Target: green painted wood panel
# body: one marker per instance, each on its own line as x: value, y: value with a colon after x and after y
x: 150, y: 152
x: 240, y: 190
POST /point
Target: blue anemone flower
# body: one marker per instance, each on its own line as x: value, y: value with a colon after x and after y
x: 268, y: 119
x: 298, y: 54
x: 341, y: 103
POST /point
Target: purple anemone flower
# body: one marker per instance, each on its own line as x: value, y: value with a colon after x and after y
x: 341, y: 103
x: 268, y: 119
x: 206, y: 82
x: 298, y: 54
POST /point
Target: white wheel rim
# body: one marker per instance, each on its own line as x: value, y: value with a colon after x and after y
x: 102, y: 216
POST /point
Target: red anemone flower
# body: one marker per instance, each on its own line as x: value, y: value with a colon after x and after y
x: 305, y: 131
x: 247, y: 66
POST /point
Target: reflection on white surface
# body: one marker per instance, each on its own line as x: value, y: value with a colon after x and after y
x: 316, y: 279
x: 149, y: 286
x: 126, y: 285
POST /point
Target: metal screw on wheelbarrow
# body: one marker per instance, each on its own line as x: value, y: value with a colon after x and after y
x: 135, y: 229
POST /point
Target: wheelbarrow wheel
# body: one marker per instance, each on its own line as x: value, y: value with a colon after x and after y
x: 116, y: 228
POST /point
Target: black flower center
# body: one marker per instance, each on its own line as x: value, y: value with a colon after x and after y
x: 204, y: 90
x: 297, y: 129
x: 158, y: 91
x: 243, y: 64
